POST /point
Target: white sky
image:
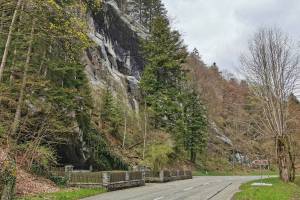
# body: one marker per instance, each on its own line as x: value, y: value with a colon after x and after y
x: 220, y: 29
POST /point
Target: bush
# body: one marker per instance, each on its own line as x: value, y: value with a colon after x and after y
x: 37, y: 169
x: 59, y: 180
x: 1, y: 131
x: 8, y: 178
x: 37, y: 159
x: 158, y: 156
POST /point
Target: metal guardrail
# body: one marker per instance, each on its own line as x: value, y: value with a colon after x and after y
x: 136, y: 176
x: 152, y: 174
x: 173, y: 173
x: 117, y: 177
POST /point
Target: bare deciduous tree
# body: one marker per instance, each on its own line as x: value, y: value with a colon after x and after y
x: 271, y: 66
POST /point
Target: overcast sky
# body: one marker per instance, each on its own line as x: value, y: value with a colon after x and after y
x: 220, y: 29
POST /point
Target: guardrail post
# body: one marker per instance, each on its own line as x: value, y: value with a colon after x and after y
x: 68, y: 172
x: 105, y: 179
x: 161, y: 175
x: 127, y: 178
x: 143, y: 175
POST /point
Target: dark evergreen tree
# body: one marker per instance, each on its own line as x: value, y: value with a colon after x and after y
x: 195, y: 124
x: 110, y: 113
x: 163, y: 74
x: 147, y: 10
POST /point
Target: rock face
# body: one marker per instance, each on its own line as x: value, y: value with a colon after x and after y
x: 115, y: 61
x: 219, y: 134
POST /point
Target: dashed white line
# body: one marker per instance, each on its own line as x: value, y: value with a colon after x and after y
x: 159, y: 198
x: 187, y: 189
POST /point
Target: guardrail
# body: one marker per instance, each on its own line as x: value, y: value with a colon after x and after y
x: 85, y: 179
x: 113, y: 180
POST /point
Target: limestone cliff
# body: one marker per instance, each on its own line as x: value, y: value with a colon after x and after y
x: 115, y: 61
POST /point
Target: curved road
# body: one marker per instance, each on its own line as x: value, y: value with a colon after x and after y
x: 198, y: 188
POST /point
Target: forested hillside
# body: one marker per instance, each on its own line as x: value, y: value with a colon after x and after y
x: 70, y: 91
x: 109, y: 84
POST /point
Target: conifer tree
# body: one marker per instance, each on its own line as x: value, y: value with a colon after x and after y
x: 110, y: 113
x: 195, y: 120
x: 163, y: 75
x: 62, y: 86
x: 148, y: 10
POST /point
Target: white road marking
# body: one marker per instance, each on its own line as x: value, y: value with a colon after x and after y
x: 187, y: 189
x: 159, y: 198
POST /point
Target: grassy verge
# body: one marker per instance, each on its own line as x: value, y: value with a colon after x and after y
x: 279, y: 191
x: 69, y: 194
x: 234, y: 173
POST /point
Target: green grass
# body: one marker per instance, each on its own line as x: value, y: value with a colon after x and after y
x: 279, y: 191
x: 234, y: 173
x: 70, y: 194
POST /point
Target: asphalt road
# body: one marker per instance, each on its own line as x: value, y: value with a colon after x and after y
x: 198, y: 188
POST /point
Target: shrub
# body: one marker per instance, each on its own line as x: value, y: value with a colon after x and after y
x: 158, y: 156
x: 59, y: 180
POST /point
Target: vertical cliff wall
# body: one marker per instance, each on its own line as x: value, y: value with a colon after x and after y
x: 115, y: 60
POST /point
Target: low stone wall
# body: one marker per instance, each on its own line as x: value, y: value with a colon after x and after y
x: 166, y: 176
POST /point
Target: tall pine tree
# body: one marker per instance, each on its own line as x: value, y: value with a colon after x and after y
x: 195, y: 122
x: 163, y: 75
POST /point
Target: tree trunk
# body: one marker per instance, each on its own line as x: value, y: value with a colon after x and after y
x: 292, y: 158
x: 8, y: 41
x: 12, y: 70
x: 2, y: 19
x: 145, y: 130
x: 125, y: 129
x: 193, y: 156
x: 140, y: 11
x: 24, y: 81
x: 42, y: 62
x: 283, y: 159
x: 13, y: 67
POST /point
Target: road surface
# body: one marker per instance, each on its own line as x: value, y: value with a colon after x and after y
x: 198, y: 188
